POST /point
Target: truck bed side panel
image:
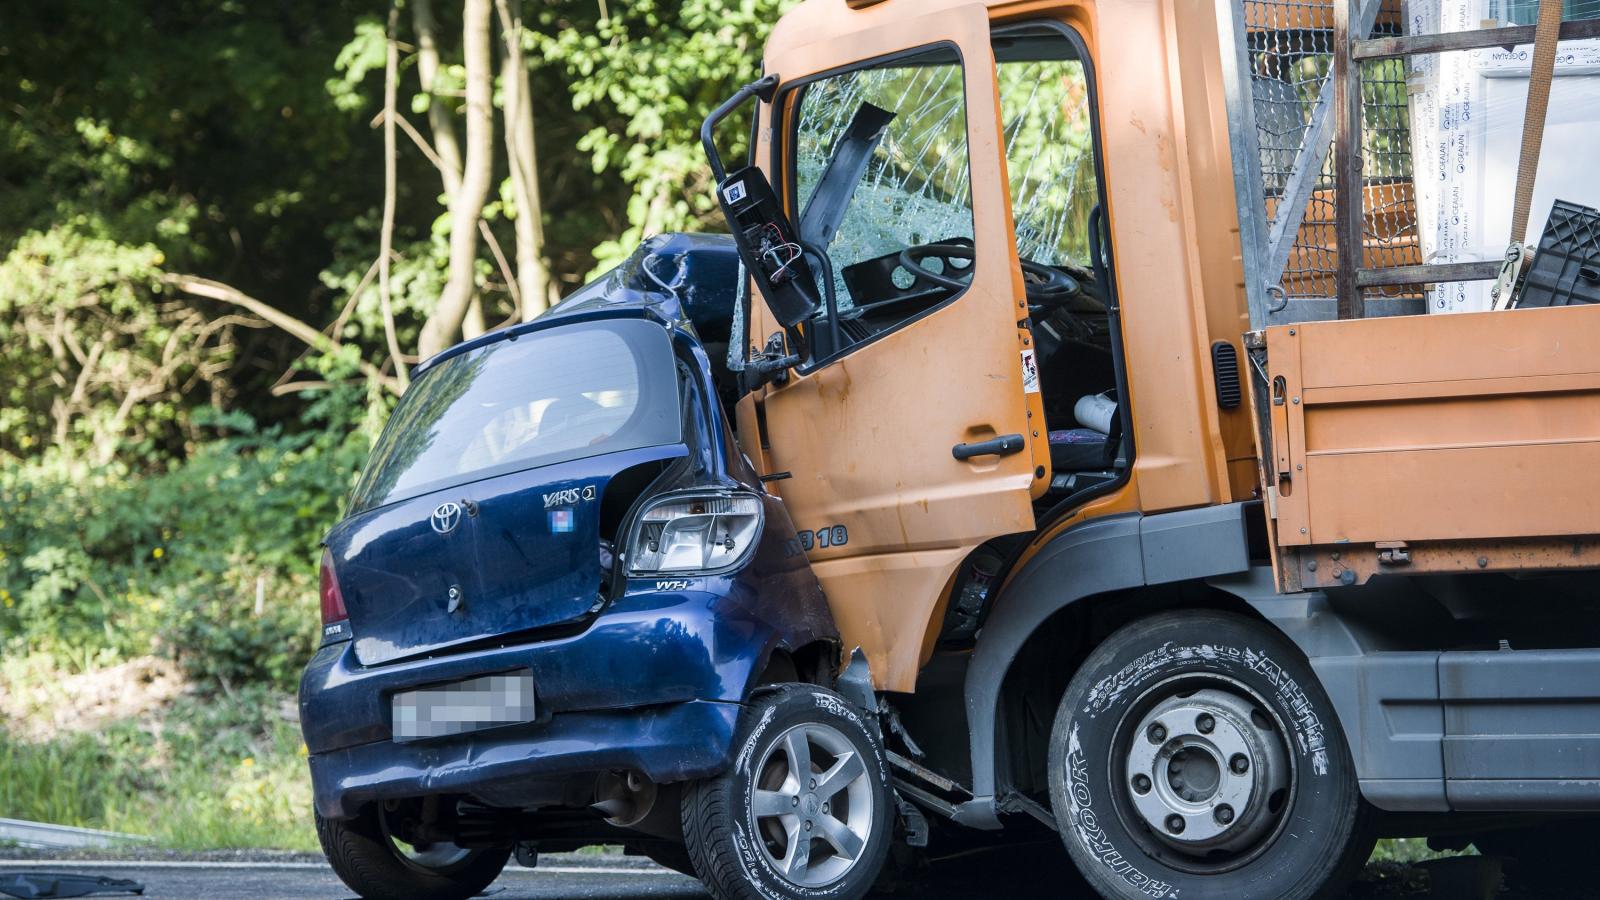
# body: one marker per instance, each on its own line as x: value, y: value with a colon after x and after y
x: 1430, y: 428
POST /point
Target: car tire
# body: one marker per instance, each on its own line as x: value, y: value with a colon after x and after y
x: 1196, y: 755
x: 804, y: 811
x: 365, y: 857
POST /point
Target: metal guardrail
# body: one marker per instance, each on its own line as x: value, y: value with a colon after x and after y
x: 44, y: 836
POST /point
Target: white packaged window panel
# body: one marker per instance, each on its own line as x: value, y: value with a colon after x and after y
x: 1467, y: 110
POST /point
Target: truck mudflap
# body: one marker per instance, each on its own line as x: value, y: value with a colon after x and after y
x: 1417, y: 444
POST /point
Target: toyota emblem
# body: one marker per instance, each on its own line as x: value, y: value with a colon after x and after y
x: 446, y: 516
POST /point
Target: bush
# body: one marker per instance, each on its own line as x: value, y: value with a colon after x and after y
x: 210, y: 560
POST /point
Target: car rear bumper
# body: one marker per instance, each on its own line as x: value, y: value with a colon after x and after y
x: 650, y: 649
x: 668, y: 743
x: 653, y: 684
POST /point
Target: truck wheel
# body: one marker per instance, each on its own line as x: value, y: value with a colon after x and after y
x: 1195, y: 755
x: 376, y: 864
x: 804, y: 812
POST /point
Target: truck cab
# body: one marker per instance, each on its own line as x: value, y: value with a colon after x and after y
x: 1124, y: 555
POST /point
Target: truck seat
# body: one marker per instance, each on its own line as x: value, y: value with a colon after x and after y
x: 1077, y: 449
x: 1087, y: 448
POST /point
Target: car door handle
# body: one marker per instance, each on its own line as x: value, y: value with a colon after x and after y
x: 1004, y: 445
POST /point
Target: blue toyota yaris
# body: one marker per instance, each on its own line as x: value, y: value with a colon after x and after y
x: 562, y: 610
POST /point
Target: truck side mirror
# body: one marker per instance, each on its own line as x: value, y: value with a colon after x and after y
x: 766, y: 239
x: 769, y: 246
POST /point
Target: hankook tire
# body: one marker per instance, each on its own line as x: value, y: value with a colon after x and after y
x: 1195, y: 755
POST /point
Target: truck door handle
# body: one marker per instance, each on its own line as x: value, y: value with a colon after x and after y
x: 1004, y: 445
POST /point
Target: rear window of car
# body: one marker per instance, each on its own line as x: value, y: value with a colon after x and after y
x: 547, y: 397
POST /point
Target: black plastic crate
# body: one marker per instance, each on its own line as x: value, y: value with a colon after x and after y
x: 1566, y: 269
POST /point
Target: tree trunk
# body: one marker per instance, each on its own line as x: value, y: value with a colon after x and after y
x: 466, y: 206
x: 440, y: 120
x: 473, y: 324
x: 391, y: 75
x: 533, y: 275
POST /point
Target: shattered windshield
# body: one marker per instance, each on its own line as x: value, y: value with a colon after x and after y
x: 910, y: 186
x: 1049, y: 150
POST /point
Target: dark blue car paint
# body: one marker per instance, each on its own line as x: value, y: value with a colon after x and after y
x: 665, y: 743
x: 650, y: 680
x: 511, y: 570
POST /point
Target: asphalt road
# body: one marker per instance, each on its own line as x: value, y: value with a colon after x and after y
x: 283, y: 881
x: 1014, y: 875
x: 1028, y: 872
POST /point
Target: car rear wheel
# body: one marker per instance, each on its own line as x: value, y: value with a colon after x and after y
x: 372, y: 860
x: 1195, y: 754
x: 805, y: 810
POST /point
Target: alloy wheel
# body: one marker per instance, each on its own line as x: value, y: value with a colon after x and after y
x: 812, y: 805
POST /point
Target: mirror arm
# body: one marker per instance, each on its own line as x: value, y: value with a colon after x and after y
x: 771, y: 365
x: 762, y: 88
x: 774, y: 369
x: 831, y: 298
x: 761, y: 231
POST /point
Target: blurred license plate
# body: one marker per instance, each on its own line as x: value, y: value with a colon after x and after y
x: 464, y: 706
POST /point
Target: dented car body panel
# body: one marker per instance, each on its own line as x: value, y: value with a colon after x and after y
x: 414, y: 591
x: 630, y: 669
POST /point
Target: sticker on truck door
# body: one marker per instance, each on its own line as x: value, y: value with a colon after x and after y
x: 1030, y: 372
x: 826, y: 536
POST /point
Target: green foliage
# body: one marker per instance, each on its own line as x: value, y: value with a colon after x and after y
x: 650, y: 72
x: 234, y: 141
x: 211, y: 560
x: 157, y: 496
x: 96, y: 359
x: 1410, y: 850
x: 143, y: 137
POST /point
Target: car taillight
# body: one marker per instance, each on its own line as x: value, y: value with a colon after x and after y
x: 690, y: 534
x: 332, y: 601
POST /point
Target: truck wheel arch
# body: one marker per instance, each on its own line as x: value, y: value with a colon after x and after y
x: 1100, y: 559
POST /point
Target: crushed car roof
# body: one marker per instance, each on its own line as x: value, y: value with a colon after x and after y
x: 688, y: 281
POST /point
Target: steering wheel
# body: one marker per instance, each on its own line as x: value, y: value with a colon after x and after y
x: 1042, y: 284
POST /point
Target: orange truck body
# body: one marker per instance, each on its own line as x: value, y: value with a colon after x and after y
x: 1466, y: 442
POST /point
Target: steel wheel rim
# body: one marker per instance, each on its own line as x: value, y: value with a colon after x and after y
x: 812, y: 805
x: 1177, y: 703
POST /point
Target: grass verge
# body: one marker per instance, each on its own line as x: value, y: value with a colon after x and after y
x: 199, y: 773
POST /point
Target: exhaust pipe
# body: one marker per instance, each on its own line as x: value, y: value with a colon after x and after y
x: 629, y: 799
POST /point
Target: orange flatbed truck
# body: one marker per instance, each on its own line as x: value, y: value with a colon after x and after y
x: 1127, y: 545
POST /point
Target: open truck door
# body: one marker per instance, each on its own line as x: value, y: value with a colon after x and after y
x: 899, y: 416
